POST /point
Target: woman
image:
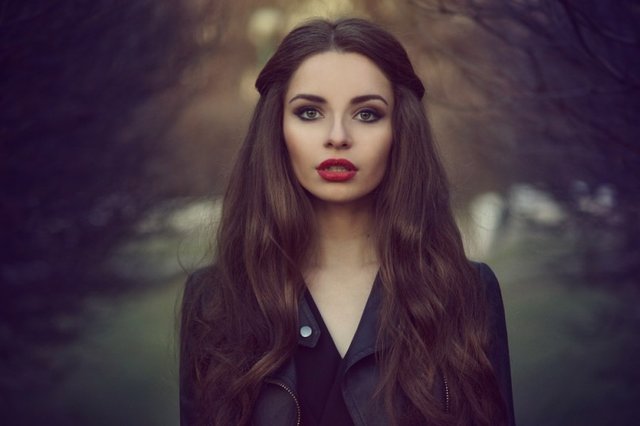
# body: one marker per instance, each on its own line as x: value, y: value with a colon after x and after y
x: 341, y: 293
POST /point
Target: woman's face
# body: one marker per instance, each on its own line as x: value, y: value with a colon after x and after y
x: 337, y: 125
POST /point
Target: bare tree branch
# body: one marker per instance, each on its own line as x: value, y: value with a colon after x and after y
x: 604, y: 63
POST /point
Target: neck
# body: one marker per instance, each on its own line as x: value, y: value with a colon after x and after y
x: 344, y: 236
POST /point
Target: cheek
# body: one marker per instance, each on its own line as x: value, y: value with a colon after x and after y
x: 290, y: 139
x: 302, y: 140
x: 383, y: 150
x: 298, y: 155
x: 380, y: 160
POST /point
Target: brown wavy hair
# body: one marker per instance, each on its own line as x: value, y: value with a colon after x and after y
x: 241, y: 324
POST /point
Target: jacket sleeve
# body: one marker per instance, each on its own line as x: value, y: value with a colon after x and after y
x: 185, y: 370
x: 499, y: 349
x: 190, y: 311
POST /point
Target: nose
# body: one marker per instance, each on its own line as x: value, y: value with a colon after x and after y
x: 338, y: 137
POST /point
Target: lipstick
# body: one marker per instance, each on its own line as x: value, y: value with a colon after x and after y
x: 337, y: 170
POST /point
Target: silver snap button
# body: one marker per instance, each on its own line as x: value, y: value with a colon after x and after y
x: 305, y: 331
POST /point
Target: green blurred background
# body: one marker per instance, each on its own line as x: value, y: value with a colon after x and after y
x: 119, y: 121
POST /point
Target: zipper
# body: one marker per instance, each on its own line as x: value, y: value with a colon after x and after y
x: 446, y: 394
x: 299, y: 413
x: 293, y: 395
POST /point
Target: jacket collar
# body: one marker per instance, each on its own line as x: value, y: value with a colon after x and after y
x: 364, y: 340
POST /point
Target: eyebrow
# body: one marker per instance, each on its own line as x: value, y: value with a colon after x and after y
x: 354, y: 101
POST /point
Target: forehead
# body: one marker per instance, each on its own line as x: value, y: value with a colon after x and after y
x: 339, y: 72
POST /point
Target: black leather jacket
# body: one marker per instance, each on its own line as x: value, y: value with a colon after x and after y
x: 278, y: 405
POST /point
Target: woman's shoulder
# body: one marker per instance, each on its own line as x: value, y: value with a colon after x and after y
x: 486, y: 273
x: 490, y: 281
x: 197, y: 296
x: 498, y: 350
x: 494, y: 302
x: 201, y: 280
x: 199, y: 291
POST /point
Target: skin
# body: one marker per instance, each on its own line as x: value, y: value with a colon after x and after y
x: 339, y: 105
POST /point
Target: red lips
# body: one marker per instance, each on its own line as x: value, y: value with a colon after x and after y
x: 337, y: 170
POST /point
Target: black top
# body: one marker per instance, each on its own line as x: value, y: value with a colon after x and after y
x: 319, y: 372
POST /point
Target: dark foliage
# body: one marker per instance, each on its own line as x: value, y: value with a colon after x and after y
x: 76, y: 170
x: 560, y: 83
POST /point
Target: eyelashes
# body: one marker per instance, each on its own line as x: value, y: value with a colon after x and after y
x: 369, y: 115
x: 312, y: 113
x: 307, y: 113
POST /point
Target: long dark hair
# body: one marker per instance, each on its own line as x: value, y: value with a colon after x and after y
x: 433, y: 318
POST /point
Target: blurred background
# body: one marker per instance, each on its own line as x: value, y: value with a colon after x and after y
x: 118, y: 124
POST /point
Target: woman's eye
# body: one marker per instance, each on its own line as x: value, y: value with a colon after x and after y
x: 308, y: 113
x: 367, y: 115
